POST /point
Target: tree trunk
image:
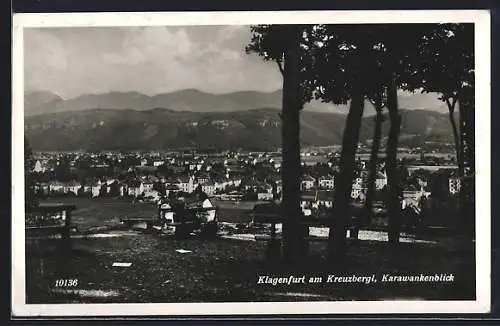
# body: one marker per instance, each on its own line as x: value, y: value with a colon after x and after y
x: 467, y: 146
x: 467, y: 122
x: 372, y: 168
x: 394, y: 206
x: 456, y: 137
x: 342, y: 196
x: 292, y: 104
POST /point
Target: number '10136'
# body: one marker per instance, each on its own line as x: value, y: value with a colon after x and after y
x: 66, y: 282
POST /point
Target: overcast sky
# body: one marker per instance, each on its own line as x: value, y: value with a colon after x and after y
x: 72, y: 61
x: 149, y: 60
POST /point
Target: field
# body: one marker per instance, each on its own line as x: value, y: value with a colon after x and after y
x: 102, y: 214
x: 225, y: 269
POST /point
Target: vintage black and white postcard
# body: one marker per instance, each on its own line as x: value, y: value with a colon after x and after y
x: 241, y: 163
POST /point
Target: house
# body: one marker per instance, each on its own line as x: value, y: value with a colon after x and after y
x: 208, y: 188
x: 72, y: 187
x: 171, y: 188
x: 317, y: 198
x: 92, y: 188
x: 265, y: 196
x: 38, y: 167
x: 115, y: 188
x: 423, y: 184
x: 380, y: 180
x: 279, y: 186
x: 204, y: 207
x: 326, y: 182
x: 96, y: 189
x: 202, y: 178
x: 412, y: 196
x: 56, y: 187
x: 158, y: 163
x: 235, y: 181
x: 262, y: 187
x: 307, y: 199
x: 134, y: 188
x: 186, y: 184
x: 147, y: 186
x: 357, y: 192
x: 220, y: 184
x: 307, y: 182
x: 165, y: 210
x: 42, y: 188
x: 152, y: 195
x: 325, y: 198
x: 454, y: 185
x: 358, y: 182
x: 249, y: 184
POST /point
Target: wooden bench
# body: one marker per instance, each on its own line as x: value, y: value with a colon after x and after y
x: 61, y: 224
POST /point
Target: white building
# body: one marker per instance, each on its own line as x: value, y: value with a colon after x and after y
x: 38, y: 167
x: 147, y: 186
x: 264, y: 196
x: 357, y: 188
x: 72, y: 187
x: 307, y: 183
x: 187, y: 185
x: 327, y: 182
x: 454, y: 185
x: 56, y: 187
x: 381, y: 181
x: 208, y: 188
x: 158, y: 163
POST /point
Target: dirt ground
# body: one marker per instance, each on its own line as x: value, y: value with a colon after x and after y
x: 227, y: 269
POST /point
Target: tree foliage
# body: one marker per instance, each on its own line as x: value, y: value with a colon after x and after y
x: 270, y: 42
x: 444, y: 63
x: 343, y: 64
x: 30, y: 198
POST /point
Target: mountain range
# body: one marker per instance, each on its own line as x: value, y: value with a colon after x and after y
x: 39, y: 102
x: 256, y: 128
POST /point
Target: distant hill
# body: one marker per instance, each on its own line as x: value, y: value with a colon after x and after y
x: 98, y: 129
x: 40, y: 102
x: 197, y: 101
x: 184, y: 100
